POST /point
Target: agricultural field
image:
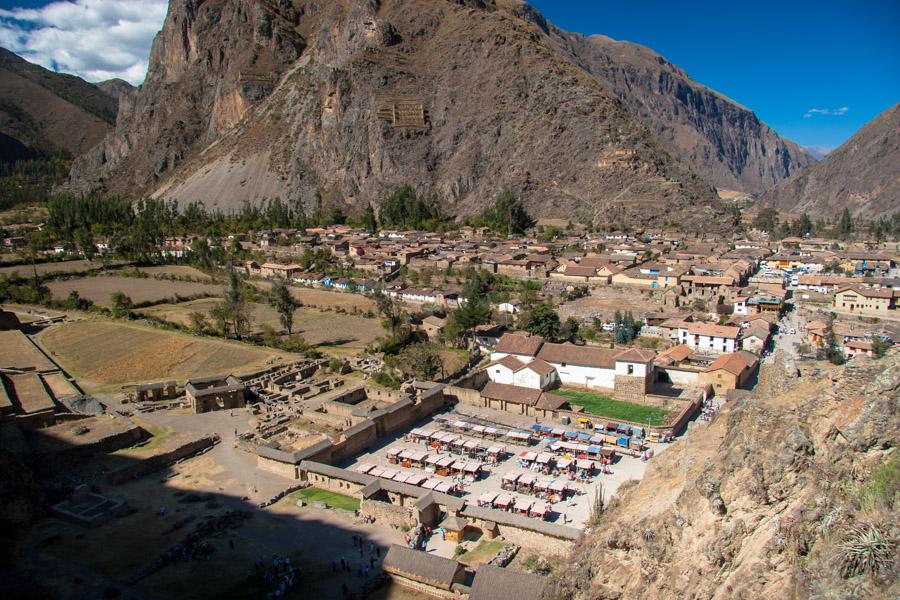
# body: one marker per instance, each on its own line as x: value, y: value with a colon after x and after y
x: 177, y: 271
x: 100, y: 289
x: 325, y: 298
x: 321, y: 328
x: 615, y: 410
x: 48, y: 268
x: 105, y: 355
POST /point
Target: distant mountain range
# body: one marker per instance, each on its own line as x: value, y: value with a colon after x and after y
x: 863, y: 174
x: 346, y: 100
x: 818, y: 152
x: 42, y: 111
x: 292, y: 99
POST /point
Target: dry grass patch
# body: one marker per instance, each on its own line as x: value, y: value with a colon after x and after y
x: 320, y: 328
x: 100, y: 289
x: 102, y: 353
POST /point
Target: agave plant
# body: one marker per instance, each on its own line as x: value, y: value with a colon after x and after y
x: 866, y: 549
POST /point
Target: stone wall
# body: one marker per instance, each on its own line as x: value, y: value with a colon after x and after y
x: 355, y: 440
x: 334, y: 484
x: 463, y: 395
x: 403, y: 517
x: 278, y: 467
x: 630, y: 389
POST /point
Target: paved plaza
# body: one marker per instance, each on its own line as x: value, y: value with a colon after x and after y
x: 573, y: 511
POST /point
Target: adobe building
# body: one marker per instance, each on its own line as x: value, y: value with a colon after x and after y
x: 154, y: 392
x: 220, y: 392
x: 423, y: 572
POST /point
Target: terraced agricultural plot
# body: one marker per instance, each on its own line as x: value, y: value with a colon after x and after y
x: 68, y: 266
x: 325, y: 298
x: 100, y: 289
x: 177, y: 270
x: 340, y: 330
x: 102, y: 353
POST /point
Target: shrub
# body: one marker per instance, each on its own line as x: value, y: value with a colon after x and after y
x: 865, y: 550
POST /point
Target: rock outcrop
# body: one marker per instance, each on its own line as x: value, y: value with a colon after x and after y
x: 764, y: 501
x: 721, y: 140
x: 861, y: 175
x: 247, y: 99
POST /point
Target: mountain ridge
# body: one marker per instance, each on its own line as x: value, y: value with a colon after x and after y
x: 504, y: 103
x: 860, y: 175
x: 45, y: 112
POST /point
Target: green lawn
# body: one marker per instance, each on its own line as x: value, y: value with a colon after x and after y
x: 604, y: 406
x: 332, y: 499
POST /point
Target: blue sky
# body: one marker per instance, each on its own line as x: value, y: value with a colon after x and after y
x: 779, y: 59
x: 814, y: 71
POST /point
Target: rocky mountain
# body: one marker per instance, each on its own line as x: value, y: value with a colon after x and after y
x: 862, y: 175
x: 720, y: 140
x: 247, y: 99
x: 115, y: 87
x: 42, y: 111
x: 785, y: 494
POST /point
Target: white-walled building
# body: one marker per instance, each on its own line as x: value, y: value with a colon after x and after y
x: 706, y: 337
x: 535, y: 374
x: 528, y: 361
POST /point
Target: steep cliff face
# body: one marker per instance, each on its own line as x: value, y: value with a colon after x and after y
x: 460, y: 99
x: 862, y: 175
x: 42, y: 111
x: 209, y: 62
x: 721, y: 140
x: 775, y: 498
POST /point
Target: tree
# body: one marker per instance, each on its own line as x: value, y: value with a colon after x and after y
x: 121, y: 304
x: 570, y: 329
x: 76, y: 302
x: 626, y: 328
x: 390, y: 311
x: 541, y: 319
x: 507, y: 216
x: 270, y: 336
x: 474, y: 311
x: 422, y: 361
x: 198, y: 322
x: 833, y: 352
x: 232, y: 313
x: 283, y: 302
x: 369, y: 221
x: 219, y: 315
x: 880, y: 346
x: 766, y: 220
x: 844, y: 225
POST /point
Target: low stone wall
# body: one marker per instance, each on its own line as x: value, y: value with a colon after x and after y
x: 425, y: 589
x: 403, y: 517
x: 352, y: 396
x: 463, y: 395
x: 159, y: 461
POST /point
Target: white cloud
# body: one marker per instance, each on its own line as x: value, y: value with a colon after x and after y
x: 95, y: 39
x: 826, y: 112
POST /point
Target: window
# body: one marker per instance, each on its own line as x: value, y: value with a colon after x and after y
x: 631, y: 369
